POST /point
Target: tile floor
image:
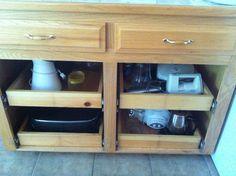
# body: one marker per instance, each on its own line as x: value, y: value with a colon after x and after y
x: 71, y: 164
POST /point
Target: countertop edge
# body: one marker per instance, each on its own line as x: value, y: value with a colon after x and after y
x: 121, y: 8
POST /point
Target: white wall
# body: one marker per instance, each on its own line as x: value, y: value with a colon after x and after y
x: 225, y: 156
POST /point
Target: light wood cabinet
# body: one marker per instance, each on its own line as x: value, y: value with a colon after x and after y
x: 73, y: 32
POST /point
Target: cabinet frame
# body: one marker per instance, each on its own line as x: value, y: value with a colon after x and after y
x: 110, y: 14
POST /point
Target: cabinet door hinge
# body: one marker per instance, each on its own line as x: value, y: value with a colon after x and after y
x: 213, y: 106
x: 5, y: 101
x: 102, y: 105
x: 117, y: 105
x: 202, y: 144
x: 17, y: 141
x: 117, y: 143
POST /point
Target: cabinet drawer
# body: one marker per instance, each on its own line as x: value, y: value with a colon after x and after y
x: 195, y: 102
x: 163, y: 38
x: 19, y: 94
x: 52, y: 35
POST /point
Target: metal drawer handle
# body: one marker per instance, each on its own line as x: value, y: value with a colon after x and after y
x: 178, y: 42
x: 39, y: 37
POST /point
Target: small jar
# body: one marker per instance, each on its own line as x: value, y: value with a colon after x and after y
x: 75, y: 79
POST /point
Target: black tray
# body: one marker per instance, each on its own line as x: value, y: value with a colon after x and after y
x: 65, y: 120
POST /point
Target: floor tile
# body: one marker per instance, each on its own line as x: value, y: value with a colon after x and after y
x: 17, y: 163
x: 179, y: 165
x: 211, y: 166
x: 64, y: 164
x: 121, y: 165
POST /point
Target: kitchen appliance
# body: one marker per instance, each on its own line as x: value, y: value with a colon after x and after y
x: 45, y: 76
x: 156, y: 119
x: 164, y: 70
x: 42, y: 66
x: 137, y: 74
x: 185, y: 84
x: 181, y: 123
x: 65, y: 120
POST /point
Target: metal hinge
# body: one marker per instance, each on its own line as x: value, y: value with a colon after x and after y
x: 117, y: 143
x: 5, y: 101
x: 117, y: 105
x: 16, y: 141
x: 202, y: 144
x: 102, y: 105
x: 103, y: 143
x: 213, y: 106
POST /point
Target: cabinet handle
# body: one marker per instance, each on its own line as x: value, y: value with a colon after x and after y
x: 40, y: 37
x: 178, y: 42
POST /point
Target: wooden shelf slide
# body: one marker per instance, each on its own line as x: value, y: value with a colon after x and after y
x: 19, y: 94
x: 186, y: 102
x: 54, y: 139
x: 137, y: 137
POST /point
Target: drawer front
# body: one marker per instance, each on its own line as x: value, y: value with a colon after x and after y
x: 52, y: 35
x: 164, y: 38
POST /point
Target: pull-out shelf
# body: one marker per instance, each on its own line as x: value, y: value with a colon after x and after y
x: 90, y: 96
x: 54, y: 141
x: 188, y: 102
x: 136, y: 137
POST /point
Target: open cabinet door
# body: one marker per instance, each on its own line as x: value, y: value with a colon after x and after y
x: 8, y: 72
x: 222, y: 102
x: 5, y: 127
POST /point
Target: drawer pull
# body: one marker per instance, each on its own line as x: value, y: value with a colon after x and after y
x: 39, y: 37
x: 178, y: 42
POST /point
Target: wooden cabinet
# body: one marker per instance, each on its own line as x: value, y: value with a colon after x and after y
x: 114, y: 36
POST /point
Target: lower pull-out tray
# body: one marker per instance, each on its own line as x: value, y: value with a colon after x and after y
x: 135, y: 137
x: 55, y: 141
